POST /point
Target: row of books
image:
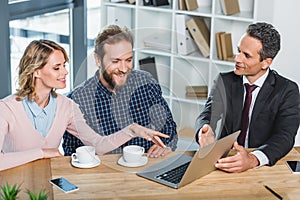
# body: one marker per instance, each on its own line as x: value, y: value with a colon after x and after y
x: 224, y: 46
x: 199, y: 91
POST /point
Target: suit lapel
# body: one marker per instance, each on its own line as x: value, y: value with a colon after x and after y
x: 263, y: 95
x: 237, y: 91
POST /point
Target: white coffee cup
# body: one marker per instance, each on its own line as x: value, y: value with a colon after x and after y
x: 84, y: 154
x: 133, y: 153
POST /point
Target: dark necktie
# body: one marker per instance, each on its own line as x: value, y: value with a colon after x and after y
x: 245, y: 117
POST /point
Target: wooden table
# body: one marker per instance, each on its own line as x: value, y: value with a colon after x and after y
x: 111, y: 181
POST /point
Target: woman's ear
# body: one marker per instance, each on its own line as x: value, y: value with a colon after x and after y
x: 36, y: 74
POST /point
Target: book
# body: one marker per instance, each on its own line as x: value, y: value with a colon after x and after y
x: 147, y: 2
x: 159, y: 40
x: 219, y: 46
x: 185, y: 42
x: 191, y: 4
x: 197, y: 89
x: 230, y: 7
x: 148, y: 64
x: 181, y: 5
x: 200, y: 34
x: 226, y: 43
x: 198, y: 95
x: 160, y: 2
x: 117, y: 1
x: 131, y: 1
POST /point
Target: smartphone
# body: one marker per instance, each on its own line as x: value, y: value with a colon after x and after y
x: 64, y: 184
x: 294, y: 166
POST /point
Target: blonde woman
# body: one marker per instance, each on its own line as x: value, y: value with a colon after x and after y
x: 34, y: 119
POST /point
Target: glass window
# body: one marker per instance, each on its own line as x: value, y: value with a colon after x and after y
x: 93, y: 27
x: 53, y: 26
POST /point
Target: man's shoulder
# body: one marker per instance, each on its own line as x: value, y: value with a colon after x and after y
x: 282, y: 81
x: 84, y: 88
x: 229, y: 76
x: 140, y: 74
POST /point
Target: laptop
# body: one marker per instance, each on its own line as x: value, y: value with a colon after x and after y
x: 181, y: 169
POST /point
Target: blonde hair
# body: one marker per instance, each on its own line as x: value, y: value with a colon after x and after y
x: 35, y: 57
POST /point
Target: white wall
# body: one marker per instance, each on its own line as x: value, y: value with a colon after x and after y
x: 286, y: 20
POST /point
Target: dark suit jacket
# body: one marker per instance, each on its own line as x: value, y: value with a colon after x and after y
x: 275, y: 116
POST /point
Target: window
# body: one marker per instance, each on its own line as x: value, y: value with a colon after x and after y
x: 54, y: 26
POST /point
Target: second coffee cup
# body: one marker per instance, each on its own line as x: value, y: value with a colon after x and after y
x: 133, y: 153
x: 84, y: 154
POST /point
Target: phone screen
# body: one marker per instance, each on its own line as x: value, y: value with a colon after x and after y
x: 64, y: 184
x: 294, y: 166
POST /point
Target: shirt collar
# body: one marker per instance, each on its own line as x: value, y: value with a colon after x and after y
x: 260, y: 81
x: 36, y: 110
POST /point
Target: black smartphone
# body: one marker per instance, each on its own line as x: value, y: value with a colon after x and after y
x: 294, y: 166
x: 64, y: 184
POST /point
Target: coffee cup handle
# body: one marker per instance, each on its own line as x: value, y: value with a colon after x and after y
x: 143, y: 150
x: 74, y: 157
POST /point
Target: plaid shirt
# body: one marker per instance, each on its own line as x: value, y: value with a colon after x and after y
x: 139, y: 101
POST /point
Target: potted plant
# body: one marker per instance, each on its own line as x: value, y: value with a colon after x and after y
x: 42, y: 195
x: 9, y: 192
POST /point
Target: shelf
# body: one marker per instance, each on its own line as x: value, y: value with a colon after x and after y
x: 176, y: 71
x: 204, y: 11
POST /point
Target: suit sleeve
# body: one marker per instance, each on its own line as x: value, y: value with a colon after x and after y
x: 214, y: 107
x: 285, y: 123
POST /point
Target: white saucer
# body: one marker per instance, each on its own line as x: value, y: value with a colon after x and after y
x: 142, y: 161
x: 92, y: 164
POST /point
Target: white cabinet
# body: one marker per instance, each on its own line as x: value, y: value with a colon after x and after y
x: 176, y: 71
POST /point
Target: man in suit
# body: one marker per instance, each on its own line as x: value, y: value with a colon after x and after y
x: 272, y: 122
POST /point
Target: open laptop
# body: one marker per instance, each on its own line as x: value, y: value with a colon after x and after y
x: 182, y: 169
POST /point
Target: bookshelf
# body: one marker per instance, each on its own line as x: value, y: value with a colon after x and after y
x: 176, y: 71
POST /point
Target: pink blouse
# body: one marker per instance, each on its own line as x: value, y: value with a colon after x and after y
x: 20, y: 143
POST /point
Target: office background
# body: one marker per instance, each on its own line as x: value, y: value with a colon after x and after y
x: 74, y: 24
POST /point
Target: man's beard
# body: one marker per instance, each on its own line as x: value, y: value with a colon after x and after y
x: 109, y: 79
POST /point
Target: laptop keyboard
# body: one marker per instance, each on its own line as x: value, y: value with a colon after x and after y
x: 174, y: 175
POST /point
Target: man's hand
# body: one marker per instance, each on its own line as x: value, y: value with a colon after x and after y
x: 240, y: 162
x: 156, y: 151
x: 206, y: 136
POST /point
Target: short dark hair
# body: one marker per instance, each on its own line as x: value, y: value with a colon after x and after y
x: 268, y: 36
x: 111, y: 35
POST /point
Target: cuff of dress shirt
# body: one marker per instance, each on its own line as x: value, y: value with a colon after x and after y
x: 262, y: 158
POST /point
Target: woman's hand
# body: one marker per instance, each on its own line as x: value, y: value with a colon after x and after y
x: 50, y: 153
x: 148, y: 134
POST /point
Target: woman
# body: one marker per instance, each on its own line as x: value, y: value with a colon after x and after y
x: 34, y: 119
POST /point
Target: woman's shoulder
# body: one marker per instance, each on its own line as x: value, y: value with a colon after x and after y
x: 62, y: 99
x: 64, y: 102
x: 9, y: 100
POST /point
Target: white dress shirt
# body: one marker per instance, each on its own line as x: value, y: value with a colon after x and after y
x: 263, y: 159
